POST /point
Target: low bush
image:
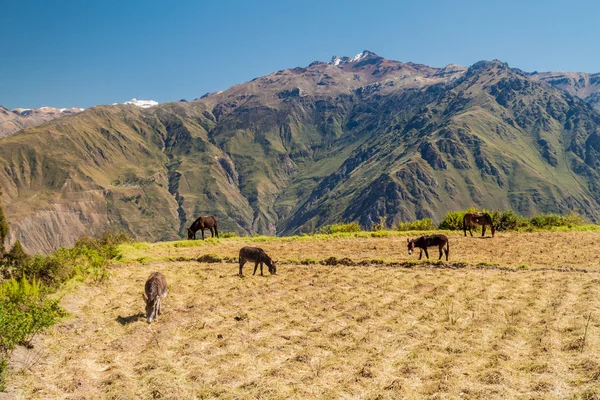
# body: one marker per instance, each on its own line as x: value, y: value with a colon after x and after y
x: 508, y: 220
x: 453, y: 221
x: 339, y: 228
x: 511, y: 221
x: 226, y: 235
x: 24, y: 307
x: 425, y: 224
x: 379, y: 226
x: 545, y: 221
x: 24, y: 312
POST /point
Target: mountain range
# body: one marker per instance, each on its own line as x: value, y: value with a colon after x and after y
x: 352, y: 139
x: 12, y: 121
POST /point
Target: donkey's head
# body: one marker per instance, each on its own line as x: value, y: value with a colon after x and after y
x: 411, y: 246
x: 272, y: 267
x: 152, y: 306
x: 190, y: 234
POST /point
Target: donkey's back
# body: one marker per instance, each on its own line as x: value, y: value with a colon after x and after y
x: 259, y: 256
x: 156, y: 285
x: 155, y: 290
x: 253, y: 254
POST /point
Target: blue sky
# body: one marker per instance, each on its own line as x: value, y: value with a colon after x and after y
x: 83, y: 53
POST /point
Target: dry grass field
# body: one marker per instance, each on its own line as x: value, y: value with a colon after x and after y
x: 374, y: 331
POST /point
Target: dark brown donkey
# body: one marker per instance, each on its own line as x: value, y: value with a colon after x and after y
x: 201, y: 224
x: 428, y: 241
x: 473, y: 219
x: 259, y: 257
x: 155, y: 290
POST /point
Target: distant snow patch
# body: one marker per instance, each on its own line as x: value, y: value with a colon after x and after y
x: 141, y: 103
x: 359, y: 56
x: 337, y: 60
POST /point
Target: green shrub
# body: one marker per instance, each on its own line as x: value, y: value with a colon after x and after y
x: 425, y: 224
x: 453, y: 221
x: 16, y: 256
x: 51, y: 269
x: 89, y: 257
x: 106, y: 244
x: 545, y: 221
x: 24, y: 312
x: 508, y: 220
x: 338, y: 228
x: 226, y: 235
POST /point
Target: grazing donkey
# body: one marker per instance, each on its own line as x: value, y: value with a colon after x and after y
x: 203, y: 223
x: 471, y: 219
x: 427, y: 241
x: 155, y: 290
x: 259, y: 257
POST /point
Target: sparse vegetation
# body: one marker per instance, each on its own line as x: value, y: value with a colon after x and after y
x: 380, y: 225
x: 545, y: 221
x: 453, y: 221
x: 508, y: 220
x: 425, y: 224
x: 339, y: 228
x: 25, y: 305
x: 24, y: 312
x: 511, y: 221
x: 226, y: 235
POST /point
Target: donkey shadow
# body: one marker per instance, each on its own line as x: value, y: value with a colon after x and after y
x: 130, y: 319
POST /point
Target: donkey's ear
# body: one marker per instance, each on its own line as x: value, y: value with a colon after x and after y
x: 407, y: 240
x: 144, y: 297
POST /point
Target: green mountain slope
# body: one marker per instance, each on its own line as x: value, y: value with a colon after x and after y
x: 353, y: 139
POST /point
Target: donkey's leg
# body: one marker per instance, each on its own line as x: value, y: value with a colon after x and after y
x: 261, y: 268
x: 216, y: 231
x: 482, y: 230
x: 202, y: 229
x: 470, y: 230
x: 255, y: 268
x: 242, y: 262
x: 421, y: 254
x: 426, y: 253
x: 441, y: 246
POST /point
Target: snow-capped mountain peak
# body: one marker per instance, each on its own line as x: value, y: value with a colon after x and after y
x: 337, y: 60
x: 142, y: 103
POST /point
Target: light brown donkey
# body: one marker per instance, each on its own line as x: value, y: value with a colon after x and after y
x: 155, y: 290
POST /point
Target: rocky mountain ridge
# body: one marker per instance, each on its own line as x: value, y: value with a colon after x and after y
x: 12, y: 121
x: 349, y: 140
